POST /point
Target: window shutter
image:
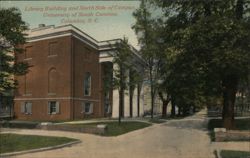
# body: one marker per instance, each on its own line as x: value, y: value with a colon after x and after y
x: 83, y: 107
x: 49, y: 108
x: 23, y: 107
x: 90, y: 78
x: 109, y: 108
x: 29, y: 108
x: 91, y: 108
x: 57, y: 107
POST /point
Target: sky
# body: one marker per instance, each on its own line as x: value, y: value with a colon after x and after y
x: 102, y: 20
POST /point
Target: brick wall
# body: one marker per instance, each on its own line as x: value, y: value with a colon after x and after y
x: 58, y: 68
x: 86, y: 60
x: 48, y: 79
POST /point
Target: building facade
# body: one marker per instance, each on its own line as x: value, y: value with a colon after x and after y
x: 66, y: 77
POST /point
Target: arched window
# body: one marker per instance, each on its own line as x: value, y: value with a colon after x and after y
x: 87, y: 84
x: 52, y: 79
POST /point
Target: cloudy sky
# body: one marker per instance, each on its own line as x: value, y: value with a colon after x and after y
x: 103, y: 20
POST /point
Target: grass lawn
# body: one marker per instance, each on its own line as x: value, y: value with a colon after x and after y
x: 16, y: 142
x: 114, y: 129
x: 234, y: 154
x: 240, y: 124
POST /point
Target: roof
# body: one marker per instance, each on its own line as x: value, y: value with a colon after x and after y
x: 51, y: 31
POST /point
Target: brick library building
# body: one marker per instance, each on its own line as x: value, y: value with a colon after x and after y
x: 65, y: 80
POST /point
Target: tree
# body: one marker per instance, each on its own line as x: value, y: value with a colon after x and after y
x: 210, y: 40
x: 12, y: 35
x: 164, y: 77
x: 121, y: 58
x: 165, y: 97
x: 107, y: 79
x: 146, y: 33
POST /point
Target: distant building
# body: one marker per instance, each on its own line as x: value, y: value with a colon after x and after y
x: 65, y: 80
x: 147, y: 101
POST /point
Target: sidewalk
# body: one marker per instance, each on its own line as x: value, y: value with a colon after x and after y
x: 185, y: 138
x: 238, y: 146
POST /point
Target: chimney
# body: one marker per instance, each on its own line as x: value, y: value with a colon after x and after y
x: 41, y: 25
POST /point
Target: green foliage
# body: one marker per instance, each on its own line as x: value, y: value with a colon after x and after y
x: 234, y: 154
x: 124, y: 77
x: 115, y: 129
x: 240, y: 124
x: 11, y: 37
x: 147, y: 30
x: 206, y: 46
x: 121, y: 63
x: 107, y: 77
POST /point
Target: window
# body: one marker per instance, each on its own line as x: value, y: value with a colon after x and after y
x: 52, y: 81
x: 28, y: 53
x: 87, y: 108
x: 26, y: 108
x: 87, y: 84
x: 107, y: 109
x: 53, y: 107
x: 53, y: 49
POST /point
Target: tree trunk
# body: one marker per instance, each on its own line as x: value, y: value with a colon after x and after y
x: 179, y: 111
x: 230, y: 84
x: 131, y: 103
x: 164, y: 108
x: 138, y: 100
x: 194, y: 109
x: 152, y: 90
x: 121, y: 94
x: 120, y: 105
x: 184, y: 110
x: 152, y: 106
x: 121, y: 102
x: 172, y: 108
